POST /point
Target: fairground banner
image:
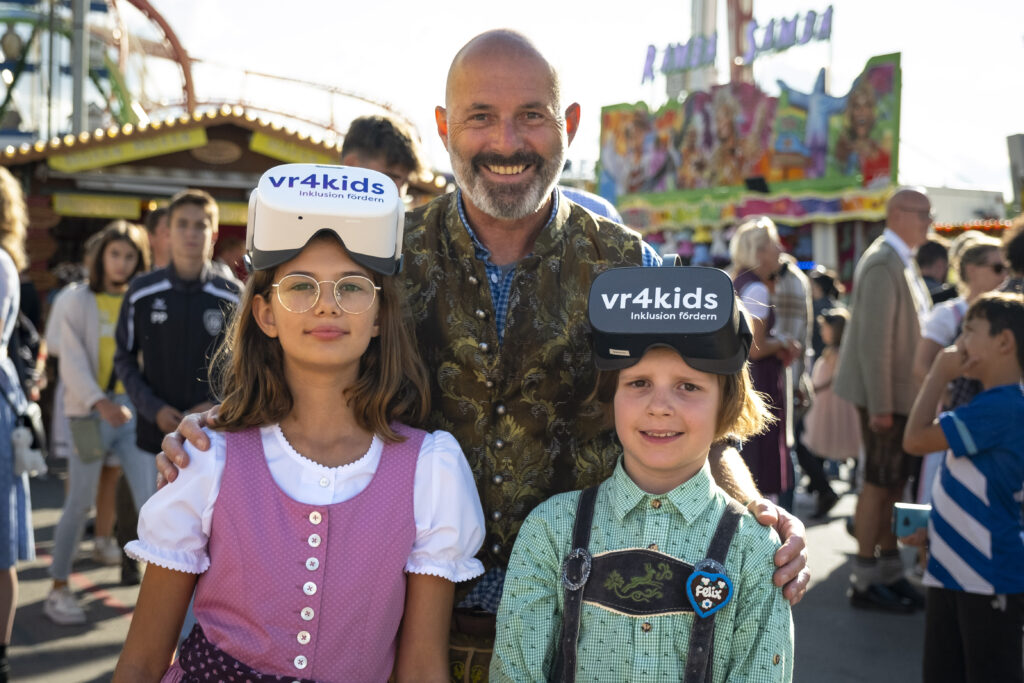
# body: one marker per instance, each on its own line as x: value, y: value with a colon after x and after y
x: 708, y: 160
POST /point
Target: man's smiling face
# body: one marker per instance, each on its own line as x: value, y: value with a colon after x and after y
x: 504, y: 132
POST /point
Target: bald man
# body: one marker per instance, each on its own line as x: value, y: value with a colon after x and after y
x: 498, y: 275
x: 875, y: 373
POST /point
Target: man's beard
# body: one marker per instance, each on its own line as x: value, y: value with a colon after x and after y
x: 507, y: 201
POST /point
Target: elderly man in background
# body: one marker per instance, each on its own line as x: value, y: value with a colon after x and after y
x: 875, y: 373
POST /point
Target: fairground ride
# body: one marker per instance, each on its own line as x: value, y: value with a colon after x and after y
x: 135, y: 68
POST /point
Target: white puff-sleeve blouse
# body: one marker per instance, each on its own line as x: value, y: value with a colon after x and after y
x: 174, y: 524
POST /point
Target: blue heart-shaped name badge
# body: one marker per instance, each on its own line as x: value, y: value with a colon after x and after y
x: 708, y: 588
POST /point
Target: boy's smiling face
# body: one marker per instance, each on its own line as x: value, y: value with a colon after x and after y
x: 665, y: 415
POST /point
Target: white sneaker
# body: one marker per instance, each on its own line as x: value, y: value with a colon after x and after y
x: 62, y: 608
x: 106, y: 551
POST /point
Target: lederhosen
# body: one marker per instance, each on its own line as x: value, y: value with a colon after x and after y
x: 584, y: 577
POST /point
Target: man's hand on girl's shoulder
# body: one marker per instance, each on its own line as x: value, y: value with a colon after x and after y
x: 173, y: 455
x: 792, y: 574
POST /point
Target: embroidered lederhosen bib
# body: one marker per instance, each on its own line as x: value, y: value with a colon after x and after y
x: 641, y: 582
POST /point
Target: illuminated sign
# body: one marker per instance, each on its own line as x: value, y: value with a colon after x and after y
x: 775, y: 36
x: 110, y: 154
x: 96, y: 206
x: 289, y: 151
x: 783, y: 34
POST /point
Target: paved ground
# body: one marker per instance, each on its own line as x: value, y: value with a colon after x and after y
x: 834, y: 643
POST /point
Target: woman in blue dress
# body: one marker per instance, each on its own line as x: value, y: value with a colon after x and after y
x: 16, y: 540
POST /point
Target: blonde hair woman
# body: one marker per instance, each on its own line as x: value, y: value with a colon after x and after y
x: 755, y: 249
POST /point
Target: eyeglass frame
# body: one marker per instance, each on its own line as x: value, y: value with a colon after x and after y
x: 923, y: 214
x: 319, y: 290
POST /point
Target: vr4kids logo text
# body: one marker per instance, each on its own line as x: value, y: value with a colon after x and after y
x: 325, y: 185
x: 666, y: 304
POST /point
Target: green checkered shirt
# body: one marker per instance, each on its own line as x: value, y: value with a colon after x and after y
x: 753, y: 633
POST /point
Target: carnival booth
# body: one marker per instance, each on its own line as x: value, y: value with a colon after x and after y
x: 75, y: 184
x: 821, y: 165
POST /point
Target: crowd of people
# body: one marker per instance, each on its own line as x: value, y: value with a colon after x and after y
x: 431, y: 393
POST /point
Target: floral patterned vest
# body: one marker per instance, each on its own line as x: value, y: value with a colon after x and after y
x: 519, y: 409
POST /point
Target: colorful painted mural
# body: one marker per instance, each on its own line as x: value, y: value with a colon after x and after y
x: 713, y: 154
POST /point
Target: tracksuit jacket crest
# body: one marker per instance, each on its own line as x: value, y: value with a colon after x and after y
x: 166, y: 334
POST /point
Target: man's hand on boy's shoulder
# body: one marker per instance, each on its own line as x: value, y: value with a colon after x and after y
x: 792, y: 573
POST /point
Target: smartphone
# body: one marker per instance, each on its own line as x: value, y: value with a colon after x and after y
x: 908, y: 518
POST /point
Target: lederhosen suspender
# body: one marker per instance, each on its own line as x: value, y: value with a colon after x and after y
x: 702, y: 637
x: 575, y: 573
x: 672, y: 596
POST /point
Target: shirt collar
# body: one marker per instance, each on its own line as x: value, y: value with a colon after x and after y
x: 689, y: 498
x: 483, y: 252
x: 899, y: 245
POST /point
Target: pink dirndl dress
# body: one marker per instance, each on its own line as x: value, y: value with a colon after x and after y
x: 831, y: 425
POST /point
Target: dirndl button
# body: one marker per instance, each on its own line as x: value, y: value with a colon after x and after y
x: 314, y: 540
x: 312, y: 564
x: 315, y: 517
x: 307, y: 614
x: 301, y: 662
x: 309, y: 588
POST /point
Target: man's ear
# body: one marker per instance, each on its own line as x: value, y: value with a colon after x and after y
x: 441, y: 117
x: 263, y: 314
x: 572, y: 120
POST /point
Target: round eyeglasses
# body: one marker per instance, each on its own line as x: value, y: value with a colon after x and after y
x: 299, y: 293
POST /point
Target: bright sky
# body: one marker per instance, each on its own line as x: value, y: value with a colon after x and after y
x: 962, y: 89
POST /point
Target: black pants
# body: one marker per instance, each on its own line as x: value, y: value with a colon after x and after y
x: 812, y: 465
x: 972, y: 638
x: 127, y: 516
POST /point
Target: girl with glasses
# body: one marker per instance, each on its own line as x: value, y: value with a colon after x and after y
x: 325, y: 533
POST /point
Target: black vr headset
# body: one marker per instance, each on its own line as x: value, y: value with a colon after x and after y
x: 690, y: 309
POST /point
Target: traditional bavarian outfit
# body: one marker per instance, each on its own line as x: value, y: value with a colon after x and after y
x: 615, y: 583
x: 634, y: 619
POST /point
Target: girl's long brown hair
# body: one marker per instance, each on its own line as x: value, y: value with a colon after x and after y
x: 247, y: 370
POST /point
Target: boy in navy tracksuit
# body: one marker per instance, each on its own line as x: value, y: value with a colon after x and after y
x: 171, y: 321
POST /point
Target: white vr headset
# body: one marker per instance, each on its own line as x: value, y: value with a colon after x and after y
x: 295, y: 202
